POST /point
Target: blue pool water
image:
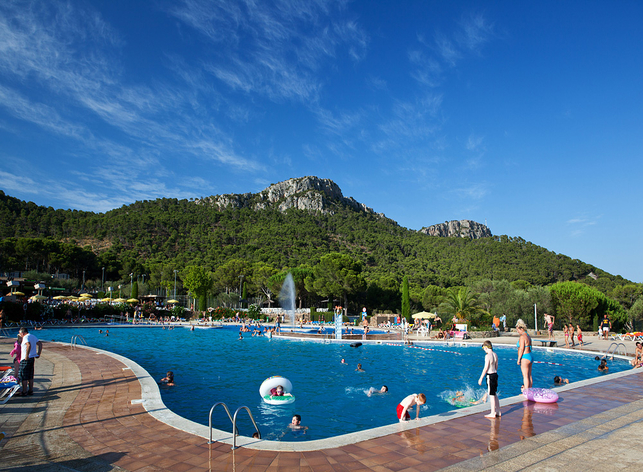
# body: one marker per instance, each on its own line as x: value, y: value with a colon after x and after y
x: 212, y: 365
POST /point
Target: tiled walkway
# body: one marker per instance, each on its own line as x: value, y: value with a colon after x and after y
x: 85, y: 420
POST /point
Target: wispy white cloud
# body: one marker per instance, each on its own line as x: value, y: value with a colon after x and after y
x: 580, y: 224
x: 474, y: 191
x: 273, y: 48
x: 60, y: 69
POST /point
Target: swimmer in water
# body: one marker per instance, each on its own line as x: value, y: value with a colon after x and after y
x: 295, y: 424
x: 168, y: 379
x: 359, y: 368
x: 558, y: 380
x: 372, y: 391
x: 343, y: 361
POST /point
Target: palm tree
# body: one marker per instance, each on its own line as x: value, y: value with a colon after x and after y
x: 464, y: 304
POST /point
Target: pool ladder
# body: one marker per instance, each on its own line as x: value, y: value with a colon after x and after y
x: 77, y: 339
x: 233, y: 419
x: 616, y: 350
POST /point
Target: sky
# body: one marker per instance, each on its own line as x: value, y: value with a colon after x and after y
x: 525, y: 116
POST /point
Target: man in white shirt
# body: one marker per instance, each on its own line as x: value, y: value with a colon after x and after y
x: 30, y: 350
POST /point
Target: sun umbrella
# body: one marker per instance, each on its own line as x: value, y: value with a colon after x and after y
x: 120, y: 300
x: 105, y: 299
x: 132, y: 300
x: 17, y: 294
x: 423, y: 315
x: 172, y: 301
x: 38, y: 297
x: 59, y: 297
x: 85, y: 295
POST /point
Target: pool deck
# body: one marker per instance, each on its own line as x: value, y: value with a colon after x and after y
x: 87, y: 414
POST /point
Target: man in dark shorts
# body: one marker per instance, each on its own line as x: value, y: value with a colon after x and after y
x: 30, y: 350
x: 606, y: 325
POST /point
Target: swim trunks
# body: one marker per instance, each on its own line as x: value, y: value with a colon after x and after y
x: 550, y: 326
x: 400, y: 409
x: 26, y: 369
x: 492, y: 382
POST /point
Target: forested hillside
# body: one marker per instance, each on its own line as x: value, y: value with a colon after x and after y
x: 168, y: 232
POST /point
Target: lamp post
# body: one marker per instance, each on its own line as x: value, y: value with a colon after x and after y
x: 175, y: 271
x: 240, y: 284
x: 131, y: 283
x: 83, y: 287
x: 102, y: 283
x: 144, y: 281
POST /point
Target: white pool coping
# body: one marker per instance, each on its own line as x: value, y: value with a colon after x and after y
x: 153, y: 404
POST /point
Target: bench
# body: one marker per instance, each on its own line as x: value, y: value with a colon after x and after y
x: 543, y: 342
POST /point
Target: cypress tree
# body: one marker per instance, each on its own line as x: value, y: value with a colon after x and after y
x: 406, y: 300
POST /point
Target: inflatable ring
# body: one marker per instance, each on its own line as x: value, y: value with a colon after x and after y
x: 540, y: 395
x: 356, y: 344
x: 273, y: 382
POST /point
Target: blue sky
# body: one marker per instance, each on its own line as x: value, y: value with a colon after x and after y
x: 525, y: 115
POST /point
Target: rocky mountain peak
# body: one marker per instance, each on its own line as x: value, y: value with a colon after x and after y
x: 303, y: 193
x: 463, y: 228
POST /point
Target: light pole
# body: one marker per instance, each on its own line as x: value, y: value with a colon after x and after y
x: 131, y: 283
x: 83, y: 287
x: 240, y: 283
x: 175, y: 271
x: 102, y: 283
x: 144, y: 280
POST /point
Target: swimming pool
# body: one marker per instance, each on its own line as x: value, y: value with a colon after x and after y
x: 212, y: 365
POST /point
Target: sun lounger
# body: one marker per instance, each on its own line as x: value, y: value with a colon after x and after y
x: 8, y: 390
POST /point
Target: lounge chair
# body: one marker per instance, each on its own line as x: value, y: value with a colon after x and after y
x: 8, y: 390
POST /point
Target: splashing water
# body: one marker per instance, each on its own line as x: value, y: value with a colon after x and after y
x: 287, y: 298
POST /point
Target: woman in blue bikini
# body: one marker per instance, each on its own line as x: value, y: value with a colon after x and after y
x: 525, y: 359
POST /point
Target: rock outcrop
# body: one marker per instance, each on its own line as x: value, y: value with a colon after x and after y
x: 463, y: 228
x: 304, y: 193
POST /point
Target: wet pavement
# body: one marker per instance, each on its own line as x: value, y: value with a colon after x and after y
x: 90, y: 413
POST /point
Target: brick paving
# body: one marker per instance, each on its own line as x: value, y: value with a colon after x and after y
x: 101, y: 429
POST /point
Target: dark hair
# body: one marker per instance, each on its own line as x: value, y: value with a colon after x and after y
x: 557, y: 379
x: 385, y: 387
x: 297, y: 416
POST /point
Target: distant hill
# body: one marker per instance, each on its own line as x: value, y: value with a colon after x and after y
x: 286, y: 225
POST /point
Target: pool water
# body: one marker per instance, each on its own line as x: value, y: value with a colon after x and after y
x: 213, y: 365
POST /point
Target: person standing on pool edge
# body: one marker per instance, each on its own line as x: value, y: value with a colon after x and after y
x: 490, y: 370
x: 418, y: 399
x: 525, y: 358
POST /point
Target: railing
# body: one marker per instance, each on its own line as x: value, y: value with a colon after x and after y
x: 234, y: 425
x: 77, y: 339
x: 5, y: 333
x: 235, y: 430
x: 616, y: 350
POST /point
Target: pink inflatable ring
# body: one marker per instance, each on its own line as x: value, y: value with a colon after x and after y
x: 540, y: 395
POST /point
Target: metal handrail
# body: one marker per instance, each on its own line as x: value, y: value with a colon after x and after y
x: 234, y: 425
x: 225, y: 407
x: 75, y: 339
x: 616, y: 350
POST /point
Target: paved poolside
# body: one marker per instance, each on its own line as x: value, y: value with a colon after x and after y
x: 87, y: 415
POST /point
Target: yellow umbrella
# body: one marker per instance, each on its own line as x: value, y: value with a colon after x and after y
x: 120, y: 300
x: 172, y: 301
x: 423, y: 315
x: 17, y: 294
x: 85, y: 295
x: 59, y: 297
x: 105, y: 299
x: 132, y: 300
x: 38, y: 297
